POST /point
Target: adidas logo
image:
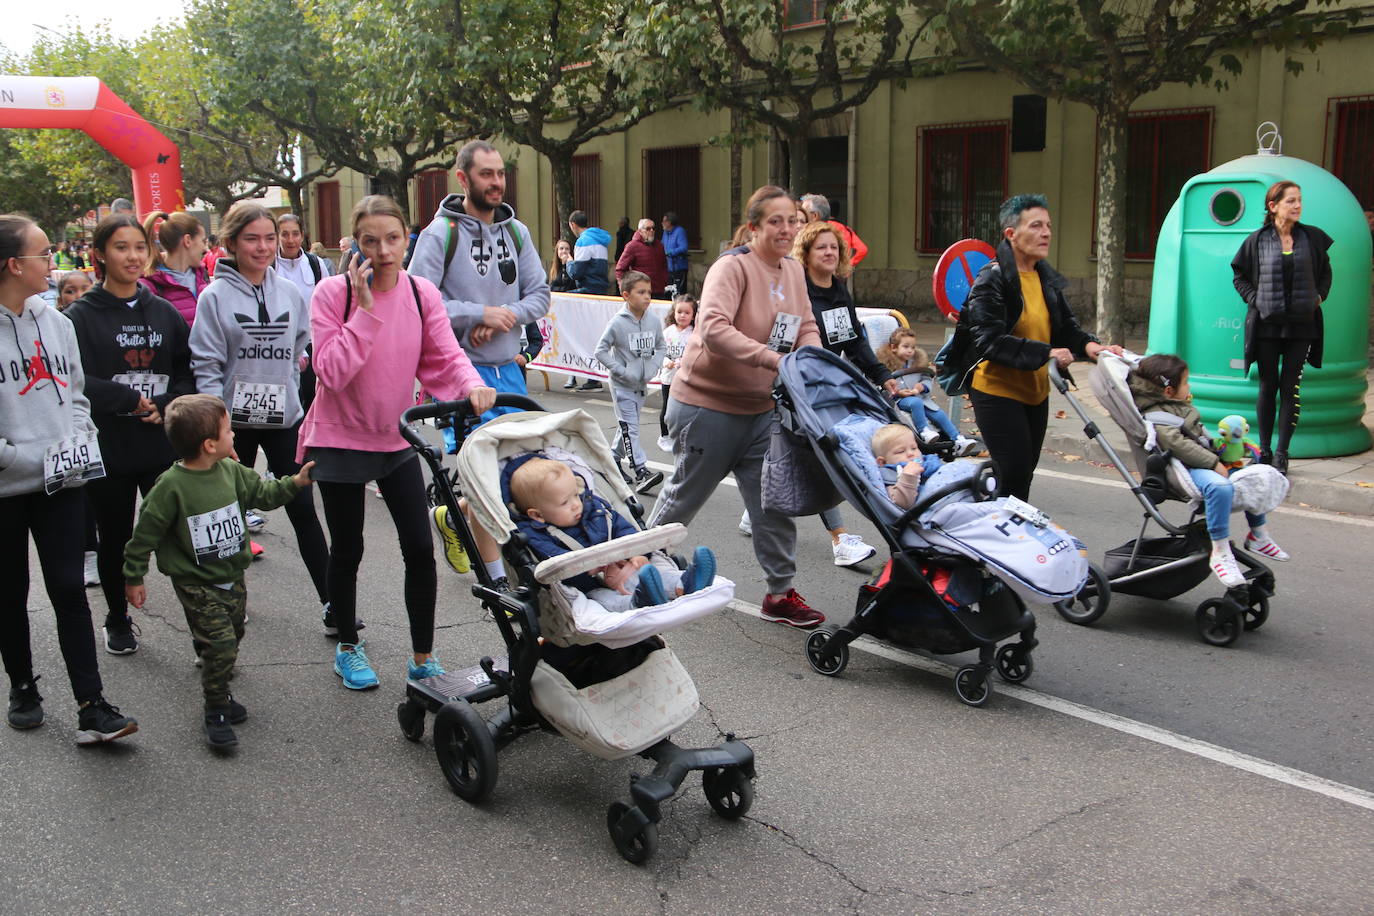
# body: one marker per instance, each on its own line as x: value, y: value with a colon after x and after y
x: 263, y: 351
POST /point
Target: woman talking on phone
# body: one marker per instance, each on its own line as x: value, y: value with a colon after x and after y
x: 137, y: 358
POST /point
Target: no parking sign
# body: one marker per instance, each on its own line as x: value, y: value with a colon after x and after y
x: 955, y: 270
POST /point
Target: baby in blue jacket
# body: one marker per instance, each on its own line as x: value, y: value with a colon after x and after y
x: 559, y: 513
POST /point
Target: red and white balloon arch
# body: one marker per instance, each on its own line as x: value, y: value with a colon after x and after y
x: 85, y: 103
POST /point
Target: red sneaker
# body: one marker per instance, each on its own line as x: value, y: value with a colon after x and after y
x: 255, y: 548
x: 791, y: 610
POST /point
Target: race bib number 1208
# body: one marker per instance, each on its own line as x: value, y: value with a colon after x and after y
x: 218, y: 534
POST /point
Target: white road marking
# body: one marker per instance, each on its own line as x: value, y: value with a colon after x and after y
x: 1225, y: 756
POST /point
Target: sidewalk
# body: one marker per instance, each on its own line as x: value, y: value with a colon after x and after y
x: 1343, y: 484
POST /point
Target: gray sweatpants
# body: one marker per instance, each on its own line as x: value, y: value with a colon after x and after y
x: 708, y: 445
x: 627, y: 407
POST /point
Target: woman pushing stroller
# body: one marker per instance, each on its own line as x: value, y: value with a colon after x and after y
x: 1159, y: 384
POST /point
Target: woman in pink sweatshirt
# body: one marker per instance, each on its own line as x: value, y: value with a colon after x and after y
x: 375, y: 331
x: 754, y: 308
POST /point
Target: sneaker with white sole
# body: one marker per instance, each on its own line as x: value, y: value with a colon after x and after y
x: 665, y: 444
x: 791, y: 609
x: 92, y: 570
x: 351, y: 664
x: 964, y: 446
x: 929, y: 434
x: 1265, y: 548
x: 121, y: 636
x: 746, y: 525
x: 851, y: 549
x: 253, y: 521
x: 1225, y: 568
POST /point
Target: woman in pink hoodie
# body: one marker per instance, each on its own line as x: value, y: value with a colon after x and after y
x: 375, y: 331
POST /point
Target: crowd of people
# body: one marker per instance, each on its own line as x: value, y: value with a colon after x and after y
x: 191, y: 353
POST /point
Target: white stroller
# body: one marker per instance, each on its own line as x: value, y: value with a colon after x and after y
x: 605, y: 681
x: 1165, y: 567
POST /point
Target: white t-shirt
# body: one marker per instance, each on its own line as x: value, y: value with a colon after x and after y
x: 298, y: 271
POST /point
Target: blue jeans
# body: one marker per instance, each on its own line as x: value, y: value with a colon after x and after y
x: 921, y: 415
x: 1217, y: 494
x: 506, y: 379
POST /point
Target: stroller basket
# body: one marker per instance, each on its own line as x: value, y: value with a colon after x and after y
x: 1158, y: 568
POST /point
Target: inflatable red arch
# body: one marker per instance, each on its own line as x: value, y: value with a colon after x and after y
x: 85, y: 103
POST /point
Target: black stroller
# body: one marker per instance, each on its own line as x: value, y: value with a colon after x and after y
x: 1160, y: 567
x: 943, y: 590
x: 605, y: 681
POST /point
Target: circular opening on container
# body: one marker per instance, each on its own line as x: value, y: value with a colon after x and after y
x: 1227, y: 207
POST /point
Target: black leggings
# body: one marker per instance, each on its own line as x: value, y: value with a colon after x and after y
x: 663, y: 414
x: 58, y: 528
x: 1013, y: 433
x: 1281, y: 385
x: 279, y: 447
x: 112, y: 501
x: 344, y: 506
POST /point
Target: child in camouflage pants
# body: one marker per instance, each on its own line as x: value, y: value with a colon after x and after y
x: 193, y: 519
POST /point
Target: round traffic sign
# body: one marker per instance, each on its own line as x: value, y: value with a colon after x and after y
x: 955, y: 270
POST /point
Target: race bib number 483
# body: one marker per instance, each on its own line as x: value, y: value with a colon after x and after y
x: 71, y: 460
x: 218, y: 534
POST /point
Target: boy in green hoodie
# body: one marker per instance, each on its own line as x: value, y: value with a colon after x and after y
x: 193, y: 519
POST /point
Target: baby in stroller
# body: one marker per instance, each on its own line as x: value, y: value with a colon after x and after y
x: 901, y: 464
x: 559, y: 512
x: 1159, y: 387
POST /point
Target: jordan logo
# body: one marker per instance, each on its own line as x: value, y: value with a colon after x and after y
x: 38, y: 369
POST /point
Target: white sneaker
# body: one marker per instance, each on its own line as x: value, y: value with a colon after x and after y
x: 929, y: 434
x: 665, y: 443
x: 746, y: 526
x: 964, y: 446
x: 1226, y: 569
x: 1265, y: 548
x: 851, y: 549
x: 254, y: 521
x: 92, y: 573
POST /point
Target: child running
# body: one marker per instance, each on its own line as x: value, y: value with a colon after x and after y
x: 193, y: 519
x: 910, y: 366
x: 1159, y: 384
x: 678, y: 326
x: 901, y: 464
x: 632, y: 349
x: 559, y: 513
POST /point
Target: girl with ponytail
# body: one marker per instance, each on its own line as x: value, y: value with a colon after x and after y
x: 176, y: 247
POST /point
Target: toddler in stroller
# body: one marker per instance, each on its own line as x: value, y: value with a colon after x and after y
x: 962, y: 563
x: 1150, y: 405
x: 602, y: 678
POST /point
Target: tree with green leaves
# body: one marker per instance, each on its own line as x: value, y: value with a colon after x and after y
x: 756, y: 58
x: 1108, y: 54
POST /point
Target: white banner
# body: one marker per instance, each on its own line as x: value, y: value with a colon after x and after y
x: 572, y: 329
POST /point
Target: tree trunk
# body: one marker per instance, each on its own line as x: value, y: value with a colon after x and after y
x: 1111, y: 222
x: 736, y: 168
x: 560, y: 163
x: 394, y: 185
x: 293, y: 191
x: 798, y: 158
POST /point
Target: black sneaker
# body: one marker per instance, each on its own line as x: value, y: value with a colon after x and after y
x: 646, y: 480
x: 98, y: 721
x: 590, y: 385
x: 331, y: 628
x: 236, y: 712
x: 217, y: 730
x: 26, y: 706
x: 120, y: 638
x: 571, y: 383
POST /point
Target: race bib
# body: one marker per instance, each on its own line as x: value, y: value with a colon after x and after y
x: 72, y: 460
x: 217, y: 535
x: 147, y: 384
x: 838, y: 327
x: 783, y: 337
x: 675, y: 351
x: 642, y: 344
x: 258, y: 404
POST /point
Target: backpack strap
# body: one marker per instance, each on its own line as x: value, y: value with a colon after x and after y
x: 450, y: 245
x: 314, y: 263
x: 414, y: 289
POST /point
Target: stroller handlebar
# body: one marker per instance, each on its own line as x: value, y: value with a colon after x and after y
x: 460, y: 410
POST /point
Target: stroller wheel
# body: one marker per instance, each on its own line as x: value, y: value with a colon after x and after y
x: 1014, y: 664
x: 1257, y: 613
x: 729, y: 791
x: 466, y: 751
x: 1091, y: 601
x: 638, y: 846
x: 1219, y: 621
x: 815, y: 653
x: 411, y: 715
x: 971, y: 685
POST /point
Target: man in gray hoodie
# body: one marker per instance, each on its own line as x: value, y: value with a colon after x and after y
x: 484, y: 262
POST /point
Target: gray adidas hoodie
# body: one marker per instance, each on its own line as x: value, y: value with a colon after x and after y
x: 250, y: 334
x: 42, y: 392
x: 473, y: 279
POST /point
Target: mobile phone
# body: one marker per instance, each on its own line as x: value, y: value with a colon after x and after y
x: 361, y: 258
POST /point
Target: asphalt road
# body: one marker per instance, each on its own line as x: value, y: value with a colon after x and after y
x: 878, y: 792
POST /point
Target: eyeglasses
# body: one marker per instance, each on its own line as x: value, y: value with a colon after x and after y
x: 46, y: 253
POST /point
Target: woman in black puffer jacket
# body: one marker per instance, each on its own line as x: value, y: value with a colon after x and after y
x: 1283, y: 273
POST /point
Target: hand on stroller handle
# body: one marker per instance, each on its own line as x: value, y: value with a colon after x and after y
x: 460, y: 411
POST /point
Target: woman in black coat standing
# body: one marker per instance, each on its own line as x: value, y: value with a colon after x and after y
x: 1283, y: 273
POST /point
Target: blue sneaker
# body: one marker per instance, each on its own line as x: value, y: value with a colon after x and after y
x: 650, y: 591
x: 350, y: 663
x: 701, y: 572
x: 431, y: 668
